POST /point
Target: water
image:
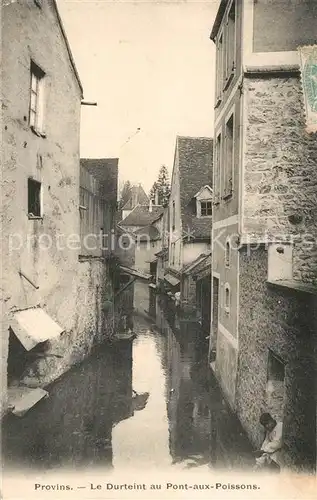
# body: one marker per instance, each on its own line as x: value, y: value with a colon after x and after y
x: 176, y: 416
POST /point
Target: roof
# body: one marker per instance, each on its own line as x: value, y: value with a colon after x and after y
x: 34, y: 326
x: 141, y: 216
x: 196, y: 265
x: 21, y: 398
x: 148, y: 233
x: 138, y: 197
x: 218, y: 19
x: 172, y: 280
x: 70, y: 55
x: 105, y: 170
x: 135, y: 272
x: 162, y: 252
x: 202, y: 189
x: 195, y: 171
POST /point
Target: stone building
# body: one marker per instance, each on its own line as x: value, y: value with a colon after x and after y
x: 137, y: 197
x: 190, y: 213
x: 52, y: 305
x: 143, y: 227
x: 264, y: 254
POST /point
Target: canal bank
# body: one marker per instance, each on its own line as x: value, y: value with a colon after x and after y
x: 146, y: 403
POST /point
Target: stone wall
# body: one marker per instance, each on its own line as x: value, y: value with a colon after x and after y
x: 280, y: 175
x: 91, y: 322
x: 44, y: 249
x: 279, y: 320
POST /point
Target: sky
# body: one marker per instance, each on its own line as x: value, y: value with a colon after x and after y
x: 148, y: 65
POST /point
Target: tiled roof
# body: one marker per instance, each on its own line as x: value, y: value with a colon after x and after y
x: 138, y: 197
x: 195, y: 171
x: 141, y: 216
x: 105, y: 170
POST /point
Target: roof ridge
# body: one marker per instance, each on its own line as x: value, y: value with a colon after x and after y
x: 195, y: 137
x: 69, y: 51
x: 99, y: 159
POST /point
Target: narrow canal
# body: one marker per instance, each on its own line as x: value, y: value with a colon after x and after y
x: 150, y: 402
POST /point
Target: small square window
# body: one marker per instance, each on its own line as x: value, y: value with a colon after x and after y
x: 34, y: 198
x: 205, y: 208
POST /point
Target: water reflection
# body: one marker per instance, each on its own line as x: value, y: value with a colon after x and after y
x: 147, y: 403
x: 142, y: 441
x: 73, y: 427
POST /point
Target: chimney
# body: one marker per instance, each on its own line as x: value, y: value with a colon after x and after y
x: 156, y: 198
x: 150, y: 206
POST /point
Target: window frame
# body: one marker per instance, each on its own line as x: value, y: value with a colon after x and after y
x: 227, y: 254
x: 230, y: 66
x: 207, y: 202
x: 37, y: 94
x: 220, y: 53
x: 173, y: 216
x: 173, y: 254
x: 226, y: 47
x: 38, y: 215
x: 217, y: 170
x: 228, y: 170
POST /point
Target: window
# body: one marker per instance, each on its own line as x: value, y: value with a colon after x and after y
x: 226, y: 53
x: 173, y: 253
x: 227, y: 254
x: 36, y: 117
x: 34, y: 198
x: 230, y: 43
x: 173, y: 216
x: 217, y: 170
x: 229, y: 158
x: 205, y: 208
x: 219, y: 70
x: 227, y: 299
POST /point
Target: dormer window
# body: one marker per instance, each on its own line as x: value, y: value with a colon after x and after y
x: 204, y: 202
x: 205, y: 208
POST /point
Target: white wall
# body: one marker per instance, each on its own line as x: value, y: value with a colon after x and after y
x: 192, y: 250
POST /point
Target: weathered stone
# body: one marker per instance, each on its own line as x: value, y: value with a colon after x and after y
x: 293, y: 177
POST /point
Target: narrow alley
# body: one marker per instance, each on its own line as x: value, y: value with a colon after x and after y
x: 150, y: 404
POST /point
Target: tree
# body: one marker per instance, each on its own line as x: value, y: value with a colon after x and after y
x: 125, y: 193
x: 161, y: 187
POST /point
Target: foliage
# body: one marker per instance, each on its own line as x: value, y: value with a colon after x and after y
x: 161, y: 187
